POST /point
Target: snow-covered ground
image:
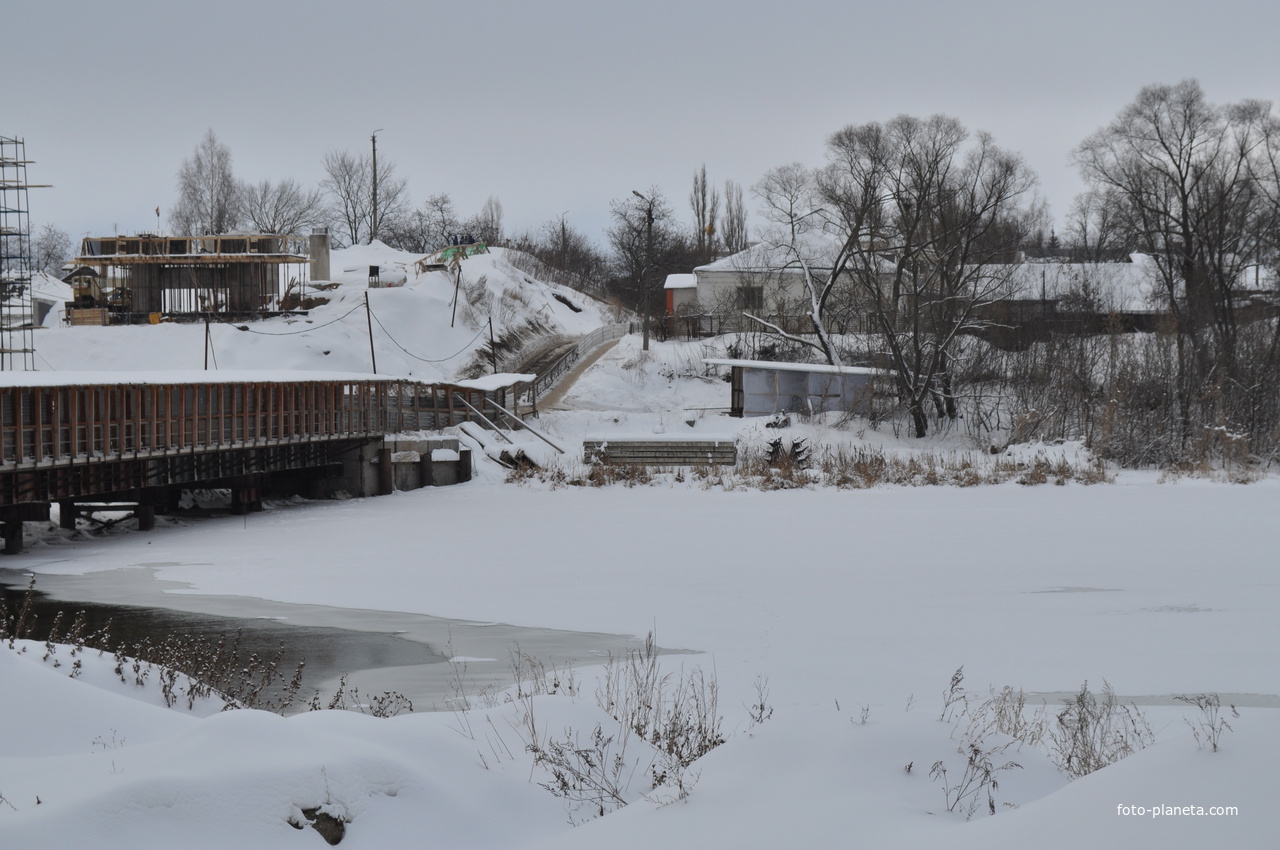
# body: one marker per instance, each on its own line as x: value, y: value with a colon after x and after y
x: 856, y: 607
x: 416, y: 332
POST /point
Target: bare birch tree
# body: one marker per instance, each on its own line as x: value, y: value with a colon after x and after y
x: 208, y: 195
x: 348, y: 185
x: 798, y: 244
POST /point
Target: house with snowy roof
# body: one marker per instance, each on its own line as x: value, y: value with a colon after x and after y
x: 1028, y: 300
x: 766, y: 280
x: 682, y: 293
x: 1089, y: 298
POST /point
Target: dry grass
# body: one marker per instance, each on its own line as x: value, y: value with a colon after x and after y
x: 841, y: 467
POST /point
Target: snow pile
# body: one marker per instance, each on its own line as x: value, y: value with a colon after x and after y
x: 102, y: 768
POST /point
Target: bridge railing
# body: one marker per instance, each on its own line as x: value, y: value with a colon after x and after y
x: 62, y: 424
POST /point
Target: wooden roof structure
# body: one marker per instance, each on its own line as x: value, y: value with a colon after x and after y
x: 151, y: 248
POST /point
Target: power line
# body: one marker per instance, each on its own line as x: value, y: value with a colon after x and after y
x: 248, y: 329
x: 416, y: 357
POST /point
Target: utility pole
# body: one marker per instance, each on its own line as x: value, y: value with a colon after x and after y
x: 648, y: 264
x: 368, y: 316
x: 373, y: 226
x: 493, y: 348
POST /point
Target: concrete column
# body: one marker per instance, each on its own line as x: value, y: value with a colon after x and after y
x: 318, y: 488
x: 146, y: 515
x: 13, y: 537
x: 320, y: 254
x: 67, y: 513
x: 386, y: 473
x: 245, y: 500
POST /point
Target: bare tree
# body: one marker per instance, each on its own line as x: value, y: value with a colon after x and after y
x: 705, y: 203
x: 428, y: 228
x: 798, y: 244
x: 647, y: 246
x: 733, y: 230
x: 564, y: 255
x: 348, y: 185
x: 935, y: 215
x: 50, y: 249
x: 284, y: 208
x: 917, y: 217
x: 350, y: 203
x: 1093, y: 232
x: 791, y: 201
x: 486, y: 225
x: 1195, y: 185
x: 208, y: 195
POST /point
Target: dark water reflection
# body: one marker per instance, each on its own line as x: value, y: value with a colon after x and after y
x: 328, y: 652
x: 375, y: 650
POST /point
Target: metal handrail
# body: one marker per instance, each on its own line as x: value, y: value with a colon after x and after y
x: 525, y: 425
x: 565, y: 362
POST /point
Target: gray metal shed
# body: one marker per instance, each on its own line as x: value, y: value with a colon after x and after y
x: 763, y: 388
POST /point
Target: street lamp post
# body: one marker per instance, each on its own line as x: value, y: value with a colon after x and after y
x: 373, y: 225
x: 648, y: 264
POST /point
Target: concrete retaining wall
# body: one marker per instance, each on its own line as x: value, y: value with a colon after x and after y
x: 380, y: 468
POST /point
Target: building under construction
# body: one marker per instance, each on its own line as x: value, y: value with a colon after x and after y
x: 143, y: 277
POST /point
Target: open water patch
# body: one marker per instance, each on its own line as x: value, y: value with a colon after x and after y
x: 428, y: 659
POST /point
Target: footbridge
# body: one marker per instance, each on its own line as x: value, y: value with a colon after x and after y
x: 78, y: 439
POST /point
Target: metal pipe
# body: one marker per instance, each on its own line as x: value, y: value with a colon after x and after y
x: 525, y: 425
x: 486, y: 420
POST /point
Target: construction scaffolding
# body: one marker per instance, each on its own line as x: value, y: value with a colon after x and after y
x: 233, y: 276
x: 17, y: 349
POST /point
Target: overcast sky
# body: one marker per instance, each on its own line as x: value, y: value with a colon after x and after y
x: 560, y: 107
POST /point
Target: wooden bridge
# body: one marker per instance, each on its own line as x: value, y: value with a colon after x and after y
x: 85, y: 438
